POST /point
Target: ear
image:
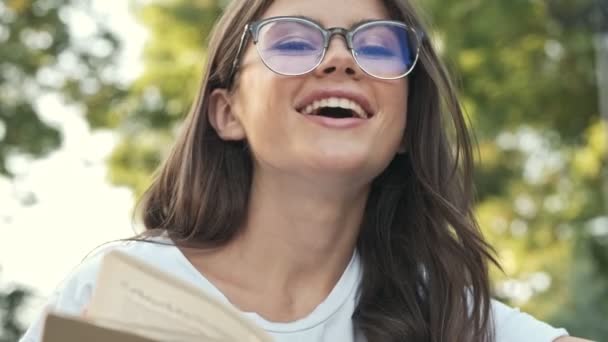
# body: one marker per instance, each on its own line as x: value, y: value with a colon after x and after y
x: 221, y: 116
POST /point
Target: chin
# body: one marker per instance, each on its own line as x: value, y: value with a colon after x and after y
x: 344, y: 165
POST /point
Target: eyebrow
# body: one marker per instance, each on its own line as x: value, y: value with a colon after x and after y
x: 318, y: 22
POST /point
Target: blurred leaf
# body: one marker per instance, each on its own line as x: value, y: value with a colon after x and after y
x: 39, y: 56
x: 11, y: 303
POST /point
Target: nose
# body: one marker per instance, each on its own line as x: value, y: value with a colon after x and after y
x: 338, y: 59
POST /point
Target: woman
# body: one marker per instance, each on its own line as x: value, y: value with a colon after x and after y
x: 314, y: 186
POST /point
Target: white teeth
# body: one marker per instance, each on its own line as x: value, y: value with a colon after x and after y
x: 344, y: 103
x: 335, y: 102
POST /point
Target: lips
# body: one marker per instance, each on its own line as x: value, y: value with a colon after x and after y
x: 336, y: 104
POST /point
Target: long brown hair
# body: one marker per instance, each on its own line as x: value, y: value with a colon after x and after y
x: 425, y: 272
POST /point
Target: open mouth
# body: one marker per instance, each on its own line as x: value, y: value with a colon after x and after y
x: 335, y: 113
x: 336, y: 108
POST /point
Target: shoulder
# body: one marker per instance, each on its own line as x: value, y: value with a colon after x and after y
x: 73, y: 294
x: 513, y: 325
x: 152, y: 250
x: 76, y: 289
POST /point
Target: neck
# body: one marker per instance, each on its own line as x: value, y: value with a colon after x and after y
x: 296, y: 242
x: 296, y: 232
x: 300, y: 230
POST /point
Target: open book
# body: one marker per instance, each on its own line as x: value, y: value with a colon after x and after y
x: 135, y: 302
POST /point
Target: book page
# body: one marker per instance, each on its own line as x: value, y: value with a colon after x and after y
x: 131, y: 293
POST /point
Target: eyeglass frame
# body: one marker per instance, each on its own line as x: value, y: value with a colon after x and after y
x: 254, y: 27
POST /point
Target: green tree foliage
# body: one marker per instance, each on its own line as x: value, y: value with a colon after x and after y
x: 10, y: 304
x: 159, y: 99
x: 528, y: 82
x: 39, y: 55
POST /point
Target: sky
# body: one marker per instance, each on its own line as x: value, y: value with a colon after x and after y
x: 75, y: 207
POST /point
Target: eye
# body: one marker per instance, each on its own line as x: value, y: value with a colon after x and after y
x: 375, y: 51
x: 294, y: 46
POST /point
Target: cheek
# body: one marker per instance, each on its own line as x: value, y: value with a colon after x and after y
x: 258, y: 86
x: 257, y: 94
x: 264, y: 111
x: 395, y: 106
x: 397, y: 97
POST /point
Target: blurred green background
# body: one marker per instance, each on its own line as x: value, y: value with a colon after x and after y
x: 532, y: 75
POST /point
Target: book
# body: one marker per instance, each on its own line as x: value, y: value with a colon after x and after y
x: 135, y: 302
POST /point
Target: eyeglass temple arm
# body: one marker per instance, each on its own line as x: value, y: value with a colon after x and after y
x: 235, y: 64
x: 420, y: 35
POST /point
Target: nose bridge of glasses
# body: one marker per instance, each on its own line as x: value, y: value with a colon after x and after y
x: 337, y: 31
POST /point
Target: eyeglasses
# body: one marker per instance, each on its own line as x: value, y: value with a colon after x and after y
x: 293, y: 46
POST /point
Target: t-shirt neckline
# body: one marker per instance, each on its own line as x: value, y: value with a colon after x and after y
x: 343, y: 290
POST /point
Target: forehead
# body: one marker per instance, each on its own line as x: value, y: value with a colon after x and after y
x: 330, y: 13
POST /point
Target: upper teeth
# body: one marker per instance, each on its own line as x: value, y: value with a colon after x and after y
x: 335, y: 102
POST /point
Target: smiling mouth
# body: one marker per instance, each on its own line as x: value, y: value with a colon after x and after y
x: 336, y: 108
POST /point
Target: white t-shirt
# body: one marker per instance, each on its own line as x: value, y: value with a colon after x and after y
x: 329, y: 322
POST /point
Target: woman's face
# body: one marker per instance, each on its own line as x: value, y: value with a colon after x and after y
x: 270, y: 106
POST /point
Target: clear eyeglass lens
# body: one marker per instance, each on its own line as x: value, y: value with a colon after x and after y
x: 385, y: 50
x: 290, y: 47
